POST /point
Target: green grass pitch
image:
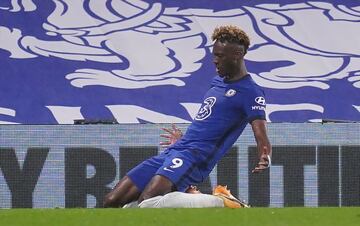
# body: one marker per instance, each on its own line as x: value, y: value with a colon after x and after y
x: 184, y: 217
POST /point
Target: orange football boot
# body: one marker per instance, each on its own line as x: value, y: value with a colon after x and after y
x: 229, y: 200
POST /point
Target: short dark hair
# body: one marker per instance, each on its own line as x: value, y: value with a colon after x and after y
x: 231, y: 34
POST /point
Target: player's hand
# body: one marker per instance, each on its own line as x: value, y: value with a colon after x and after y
x: 263, y: 164
x: 172, y: 135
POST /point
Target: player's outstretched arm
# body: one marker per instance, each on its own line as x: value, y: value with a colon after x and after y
x: 172, y: 135
x: 263, y: 145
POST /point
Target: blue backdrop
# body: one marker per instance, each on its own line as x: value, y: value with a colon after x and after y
x: 150, y: 61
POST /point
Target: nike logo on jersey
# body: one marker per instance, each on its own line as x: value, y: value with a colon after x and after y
x: 165, y: 168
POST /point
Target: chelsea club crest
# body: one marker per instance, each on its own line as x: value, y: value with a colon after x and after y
x: 230, y: 93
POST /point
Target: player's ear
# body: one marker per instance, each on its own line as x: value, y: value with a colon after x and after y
x: 242, y: 51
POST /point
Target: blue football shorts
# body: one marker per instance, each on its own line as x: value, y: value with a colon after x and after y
x: 180, y: 167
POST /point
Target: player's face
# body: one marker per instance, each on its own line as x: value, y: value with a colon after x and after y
x: 225, y: 59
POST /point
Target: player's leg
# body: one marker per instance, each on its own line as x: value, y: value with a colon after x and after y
x: 131, y: 186
x: 183, y: 200
x: 221, y: 198
x: 124, y: 192
x: 158, y: 185
x: 171, y: 176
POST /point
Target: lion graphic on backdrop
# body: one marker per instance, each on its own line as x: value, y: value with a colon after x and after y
x: 177, y: 40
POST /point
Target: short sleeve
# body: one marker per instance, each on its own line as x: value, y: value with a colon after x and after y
x: 255, y: 105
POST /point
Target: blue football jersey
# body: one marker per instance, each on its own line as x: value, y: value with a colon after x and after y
x: 226, y: 110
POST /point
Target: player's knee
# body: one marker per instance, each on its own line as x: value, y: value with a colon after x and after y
x: 110, y: 201
x: 159, y: 185
x: 149, y: 194
x: 144, y: 196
